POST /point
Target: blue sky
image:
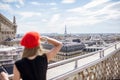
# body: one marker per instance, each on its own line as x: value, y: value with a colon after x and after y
x: 51, y: 16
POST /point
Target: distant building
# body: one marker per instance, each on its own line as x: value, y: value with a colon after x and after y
x: 8, y: 30
x: 71, y: 47
x: 69, y: 50
x: 8, y: 55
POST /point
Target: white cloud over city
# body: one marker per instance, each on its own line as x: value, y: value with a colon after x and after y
x: 68, y: 1
x: 52, y: 16
x: 92, y: 15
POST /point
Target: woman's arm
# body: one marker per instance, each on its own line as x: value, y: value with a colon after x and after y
x: 16, y: 73
x: 3, y: 76
x: 57, y: 46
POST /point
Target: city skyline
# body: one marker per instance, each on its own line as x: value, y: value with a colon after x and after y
x: 51, y: 16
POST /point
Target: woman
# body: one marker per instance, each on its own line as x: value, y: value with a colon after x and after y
x: 33, y: 65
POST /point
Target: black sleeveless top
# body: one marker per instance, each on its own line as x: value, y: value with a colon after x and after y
x: 33, y: 69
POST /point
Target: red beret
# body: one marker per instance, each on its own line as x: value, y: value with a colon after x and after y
x: 30, y: 40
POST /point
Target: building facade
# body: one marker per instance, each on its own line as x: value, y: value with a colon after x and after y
x: 8, y: 29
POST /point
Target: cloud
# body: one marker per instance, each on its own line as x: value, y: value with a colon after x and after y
x: 43, y: 4
x: 94, y: 12
x: 54, y: 19
x: 21, y: 2
x: 6, y: 7
x: 29, y: 14
x: 9, y: 1
x: 110, y: 11
x: 44, y: 20
x: 95, y: 3
x: 34, y: 3
x: 18, y: 6
x: 54, y: 8
x: 18, y: 3
x: 68, y: 1
x: 90, y: 5
x: 53, y: 3
x: 56, y: 24
x: 82, y: 22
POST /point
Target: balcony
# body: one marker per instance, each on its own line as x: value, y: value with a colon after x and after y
x: 100, y: 65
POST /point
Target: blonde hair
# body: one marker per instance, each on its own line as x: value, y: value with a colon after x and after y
x: 32, y: 51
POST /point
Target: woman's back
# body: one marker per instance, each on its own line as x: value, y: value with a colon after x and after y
x: 34, y: 69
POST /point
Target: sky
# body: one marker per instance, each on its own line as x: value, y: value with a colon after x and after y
x: 51, y: 16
